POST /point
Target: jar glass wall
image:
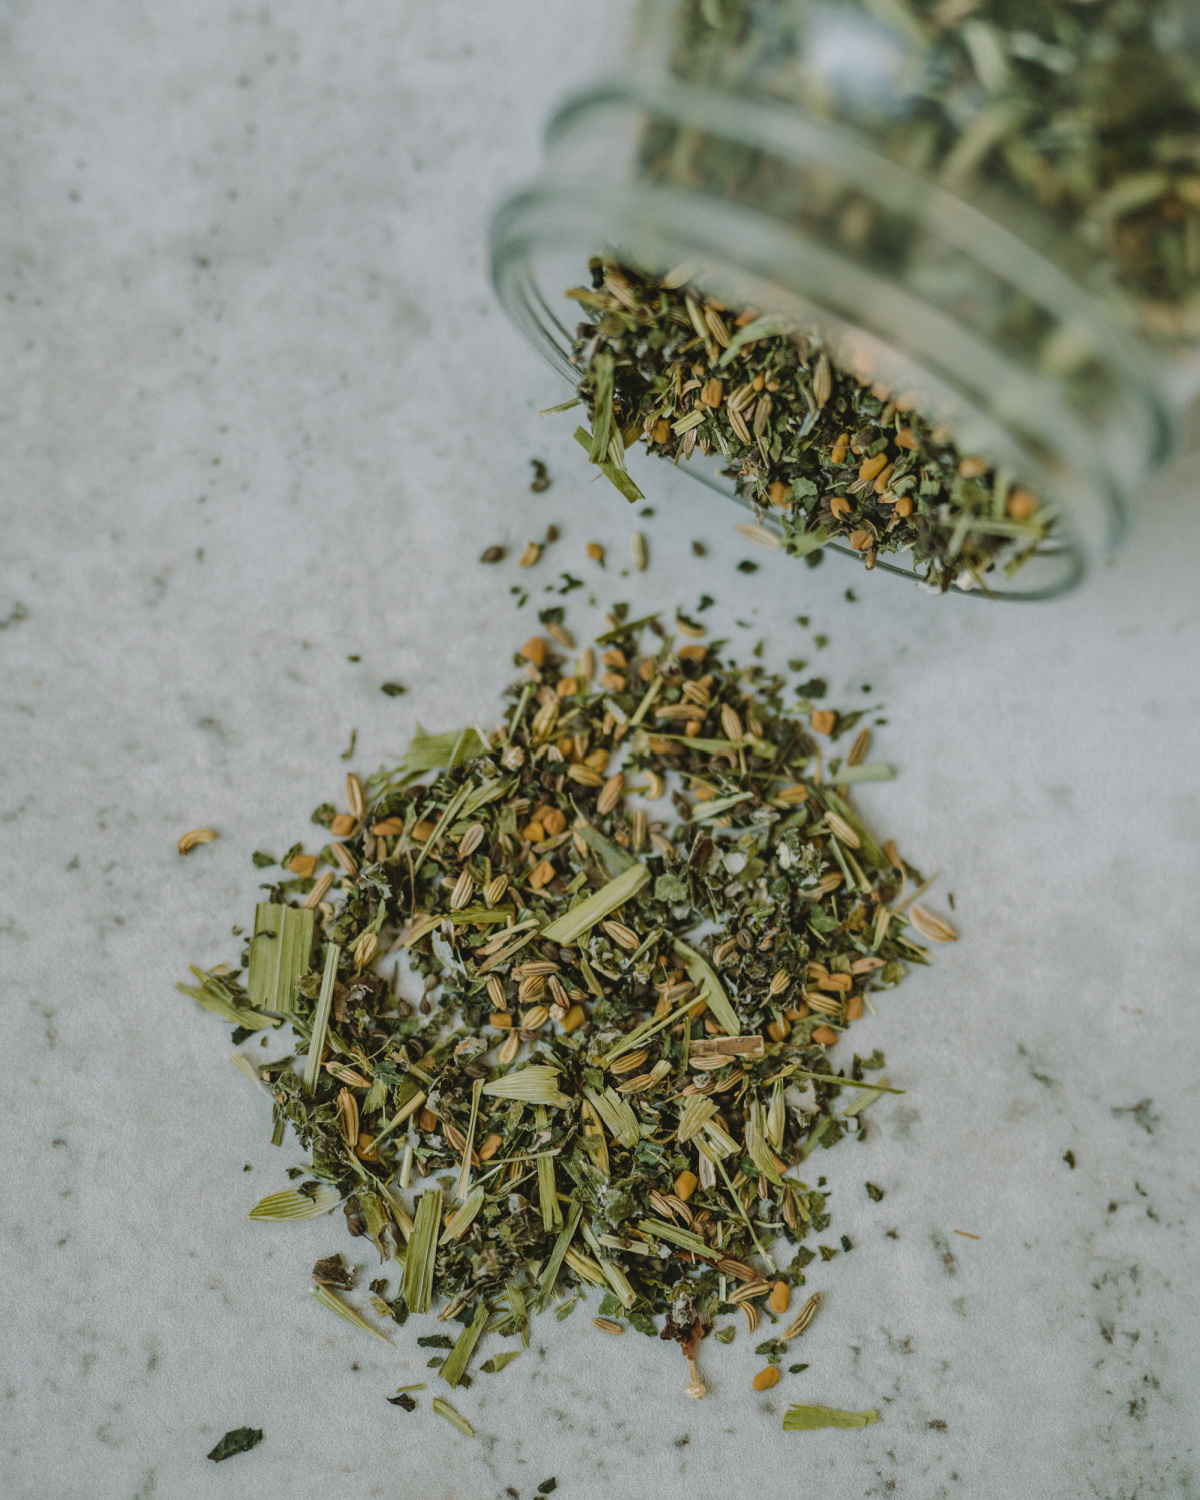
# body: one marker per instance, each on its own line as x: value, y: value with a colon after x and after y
x: 995, y: 221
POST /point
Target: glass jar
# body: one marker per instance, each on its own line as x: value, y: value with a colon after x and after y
x: 988, y: 205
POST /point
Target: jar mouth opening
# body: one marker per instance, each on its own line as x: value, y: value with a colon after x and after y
x: 541, y: 241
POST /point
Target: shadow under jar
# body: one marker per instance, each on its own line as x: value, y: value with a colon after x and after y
x: 985, y: 212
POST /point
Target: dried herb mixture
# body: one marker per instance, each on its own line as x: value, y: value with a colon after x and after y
x: 829, y: 456
x: 623, y: 1056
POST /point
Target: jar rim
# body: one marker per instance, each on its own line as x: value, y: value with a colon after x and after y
x: 1094, y: 515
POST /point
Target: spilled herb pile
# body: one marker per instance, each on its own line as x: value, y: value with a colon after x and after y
x: 830, y: 457
x: 643, y: 912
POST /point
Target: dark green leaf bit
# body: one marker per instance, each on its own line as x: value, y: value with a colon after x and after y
x: 240, y: 1440
x: 624, y: 1017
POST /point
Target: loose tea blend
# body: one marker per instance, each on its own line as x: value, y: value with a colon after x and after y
x: 619, y: 1064
x: 827, y: 454
x: 1069, y: 119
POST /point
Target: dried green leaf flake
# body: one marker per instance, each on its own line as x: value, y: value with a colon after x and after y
x: 808, y: 1418
x: 239, y: 1440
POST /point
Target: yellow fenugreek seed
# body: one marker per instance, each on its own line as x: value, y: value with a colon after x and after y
x: 779, y: 1298
x: 765, y: 1379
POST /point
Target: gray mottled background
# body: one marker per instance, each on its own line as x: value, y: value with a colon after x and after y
x: 261, y: 413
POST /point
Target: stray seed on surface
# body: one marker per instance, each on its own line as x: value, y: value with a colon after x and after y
x: 196, y: 836
x: 930, y: 926
x: 765, y: 1379
x: 492, y: 554
x: 510, y: 1049
x: 780, y: 1296
x: 595, y: 551
x: 319, y: 891
x: 343, y: 825
x: 530, y: 555
x: 345, y: 859
x: 780, y: 982
x: 356, y: 799
x: 495, y: 989
x: 490, y: 1147
x: 562, y: 635
x: 823, y: 720
x: 607, y: 1325
x: 859, y: 748
x: 825, y: 1035
x: 641, y: 558
x: 303, y: 865
x: 807, y: 1313
x: 494, y: 890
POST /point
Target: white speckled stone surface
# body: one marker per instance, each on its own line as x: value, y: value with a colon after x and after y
x: 259, y: 413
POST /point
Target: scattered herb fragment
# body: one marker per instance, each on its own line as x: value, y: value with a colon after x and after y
x: 444, y: 1409
x: 239, y: 1440
x: 807, y: 1418
x: 393, y: 689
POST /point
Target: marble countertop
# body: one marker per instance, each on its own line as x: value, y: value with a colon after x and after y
x: 261, y: 414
